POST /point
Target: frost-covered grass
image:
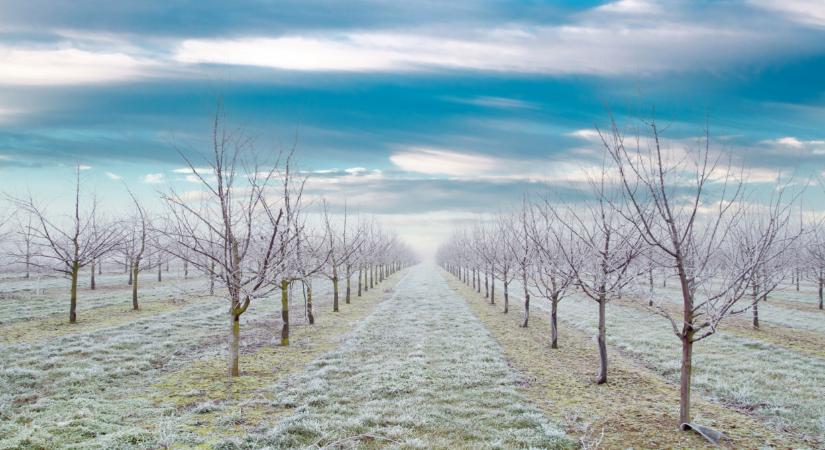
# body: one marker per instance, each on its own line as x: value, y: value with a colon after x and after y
x: 421, y: 372
x: 637, y: 408
x: 32, y: 299
x: 784, y: 387
x: 770, y: 312
x: 94, y: 389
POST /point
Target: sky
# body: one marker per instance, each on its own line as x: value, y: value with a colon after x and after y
x: 424, y: 113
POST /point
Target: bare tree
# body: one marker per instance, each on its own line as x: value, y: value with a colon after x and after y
x: 601, y: 253
x: 518, y: 243
x: 25, y: 243
x: 236, y: 225
x: 815, y: 246
x: 505, y: 264
x: 137, y: 246
x: 341, y: 248
x: 684, y: 204
x: 551, y: 276
x: 770, y: 269
x: 289, y: 269
x: 72, y: 243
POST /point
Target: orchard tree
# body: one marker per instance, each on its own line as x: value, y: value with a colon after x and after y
x: 24, y: 242
x: 518, y: 244
x: 684, y: 203
x: 235, y: 222
x: 505, y: 261
x: 552, y: 277
x: 815, y: 255
x: 748, y: 238
x: 598, y: 249
x: 137, y: 245
x: 68, y: 244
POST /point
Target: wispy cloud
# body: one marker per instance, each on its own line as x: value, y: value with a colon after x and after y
x: 188, y: 170
x: 496, y: 102
x: 607, y: 40
x: 153, y: 178
x: 113, y: 176
x: 813, y: 147
x: 806, y: 12
x: 444, y: 162
x: 66, y: 65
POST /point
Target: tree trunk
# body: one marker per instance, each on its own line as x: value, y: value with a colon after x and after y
x: 486, y: 285
x: 73, y: 293
x: 135, y: 271
x: 310, y: 314
x: 554, y: 327
x: 334, y: 294
x: 492, y: 290
x: 684, y: 384
x: 506, y: 295
x: 347, y: 288
x: 821, y: 283
x: 130, y: 272
x: 687, y: 347
x: 755, y: 294
x: 234, y: 343
x: 92, y: 284
x: 526, y: 299
x: 359, y: 281
x: 99, y: 268
x: 372, y: 277
x: 160, y: 271
x: 212, y: 279
x: 285, y: 312
x: 602, y: 342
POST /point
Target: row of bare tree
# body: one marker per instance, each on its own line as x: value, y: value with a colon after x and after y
x: 248, y: 229
x: 687, y: 214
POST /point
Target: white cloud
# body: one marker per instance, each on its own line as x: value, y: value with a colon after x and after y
x: 66, y: 65
x: 496, y: 102
x: 153, y: 178
x: 84, y: 167
x: 631, y: 7
x: 188, y: 170
x: 806, y: 12
x: 113, y: 176
x: 445, y: 162
x: 814, y: 147
x: 608, y: 40
x: 586, y: 133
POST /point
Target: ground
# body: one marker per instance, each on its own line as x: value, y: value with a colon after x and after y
x: 421, y: 361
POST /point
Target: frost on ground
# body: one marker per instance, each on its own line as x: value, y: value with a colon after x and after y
x: 421, y: 372
x: 38, y: 298
x: 785, y: 387
x: 770, y: 312
x: 93, y: 389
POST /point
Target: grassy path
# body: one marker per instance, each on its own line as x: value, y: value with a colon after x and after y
x: 156, y: 378
x: 420, y: 372
x: 638, y: 407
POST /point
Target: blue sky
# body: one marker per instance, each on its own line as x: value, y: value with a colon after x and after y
x: 425, y: 113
